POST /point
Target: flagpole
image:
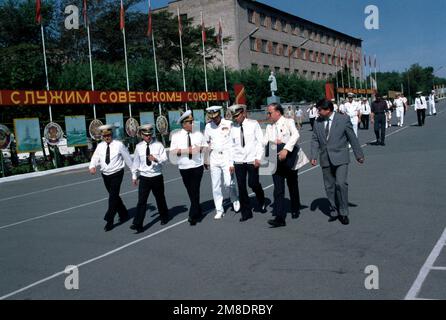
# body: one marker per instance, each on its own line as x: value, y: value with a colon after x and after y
x: 360, y: 73
x: 342, y: 76
x: 125, y: 55
x: 354, y: 71
x: 224, y: 64
x: 154, y: 54
x: 376, y: 77
x: 181, y: 49
x: 337, y: 81
x: 89, y: 53
x: 46, y: 69
x: 203, y: 30
x: 348, y: 73
x: 365, y: 77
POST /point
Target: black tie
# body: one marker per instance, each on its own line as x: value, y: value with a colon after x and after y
x: 148, y: 162
x: 189, y: 144
x: 107, y: 155
x: 327, y: 128
x: 421, y: 101
x: 242, y: 136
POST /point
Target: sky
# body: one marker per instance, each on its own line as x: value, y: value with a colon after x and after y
x: 410, y: 31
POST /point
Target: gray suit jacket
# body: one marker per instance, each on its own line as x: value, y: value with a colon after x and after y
x: 335, y: 150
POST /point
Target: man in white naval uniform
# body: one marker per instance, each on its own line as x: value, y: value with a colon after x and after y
x: 148, y: 161
x: 432, y: 109
x: 399, y: 107
x: 365, y: 113
x: 218, y: 136
x: 335, y: 105
x: 112, y: 156
x: 352, y: 109
x: 420, y: 108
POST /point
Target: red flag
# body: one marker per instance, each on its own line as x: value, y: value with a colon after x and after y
x: 122, y: 17
x: 38, y: 15
x: 220, y: 34
x: 84, y: 12
x: 203, y: 30
x: 149, y: 26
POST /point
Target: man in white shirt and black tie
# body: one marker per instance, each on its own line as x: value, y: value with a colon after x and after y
x: 420, y: 108
x: 111, y: 155
x: 247, y: 151
x: 187, y: 150
x: 147, y: 163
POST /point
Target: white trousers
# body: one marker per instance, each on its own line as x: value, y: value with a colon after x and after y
x: 432, y: 109
x: 220, y: 186
x: 355, y: 122
x: 400, y: 115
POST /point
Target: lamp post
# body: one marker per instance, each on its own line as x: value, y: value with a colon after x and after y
x: 243, y: 40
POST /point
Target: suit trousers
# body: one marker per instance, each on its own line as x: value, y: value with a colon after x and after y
x: 284, y: 173
x: 336, y: 187
x: 365, y: 119
x: 192, y: 181
x: 146, y: 184
x: 113, y: 185
x: 421, y: 115
x: 380, y: 127
x: 241, y: 171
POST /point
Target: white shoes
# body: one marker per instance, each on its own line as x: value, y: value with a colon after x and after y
x: 219, y: 215
x: 236, y: 206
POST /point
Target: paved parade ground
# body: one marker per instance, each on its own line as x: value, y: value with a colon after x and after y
x: 397, y: 214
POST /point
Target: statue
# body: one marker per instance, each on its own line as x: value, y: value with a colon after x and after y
x: 273, y: 85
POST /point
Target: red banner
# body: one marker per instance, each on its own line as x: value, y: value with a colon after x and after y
x: 240, y: 94
x: 356, y: 91
x: 30, y: 97
x: 329, y: 91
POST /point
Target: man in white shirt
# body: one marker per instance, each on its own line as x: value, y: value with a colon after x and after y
x: 218, y: 136
x: 335, y: 105
x: 352, y: 109
x: 247, y: 151
x: 312, y: 115
x: 299, y: 115
x: 283, y: 135
x: 111, y: 155
x: 420, y: 108
x: 399, y: 107
x: 365, y: 113
x: 432, y: 109
x: 187, y: 150
x: 388, y: 112
x: 147, y: 163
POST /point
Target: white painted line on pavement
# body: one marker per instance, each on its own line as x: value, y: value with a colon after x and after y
x: 422, y: 275
x: 72, y: 208
x: 438, y: 268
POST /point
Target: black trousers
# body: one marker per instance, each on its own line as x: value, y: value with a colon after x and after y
x: 365, y: 118
x: 380, y: 127
x: 115, y: 205
x: 421, y: 115
x: 284, y: 173
x: 192, y: 181
x: 312, y: 123
x: 241, y: 171
x: 155, y: 184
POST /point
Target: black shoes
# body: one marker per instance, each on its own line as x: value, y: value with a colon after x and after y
x: 263, y: 208
x: 192, y: 222
x: 275, y: 223
x: 109, y: 226
x: 332, y: 219
x: 164, y: 221
x: 245, y: 218
x: 344, y: 220
x: 295, y: 215
x: 382, y: 144
x: 137, y: 228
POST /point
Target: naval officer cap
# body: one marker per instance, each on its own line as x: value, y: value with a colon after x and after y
x: 146, y: 129
x: 106, y: 129
x: 214, y: 111
x: 187, y: 116
x: 350, y: 95
x: 419, y: 92
x: 236, y: 109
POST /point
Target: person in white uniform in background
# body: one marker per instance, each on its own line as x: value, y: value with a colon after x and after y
x: 432, y: 109
x: 218, y: 136
x: 352, y: 109
x: 312, y: 115
x: 335, y: 105
x: 365, y: 113
x: 399, y: 107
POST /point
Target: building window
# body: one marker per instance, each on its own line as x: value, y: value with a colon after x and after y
x: 254, y: 65
x: 287, y: 71
x: 274, y: 23
x: 323, y: 58
x: 252, y: 44
x: 305, y: 73
x: 311, y: 55
x: 251, y: 16
x: 296, y: 71
x: 263, y: 19
x: 265, y: 46
x: 277, y: 70
x: 285, y: 50
x: 329, y: 59
x: 275, y: 44
x: 283, y: 23
x: 302, y: 54
x: 295, y: 53
x: 266, y: 68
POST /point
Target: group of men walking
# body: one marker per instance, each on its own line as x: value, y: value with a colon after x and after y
x: 233, y: 151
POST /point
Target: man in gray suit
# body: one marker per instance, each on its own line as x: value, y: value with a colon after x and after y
x: 331, y: 136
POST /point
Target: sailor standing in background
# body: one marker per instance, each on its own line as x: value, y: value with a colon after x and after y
x: 335, y: 105
x: 399, y: 107
x: 218, y: 136
x: 112, y: 156
x: 312, y: 115
x: 352, y: 109
x: 187, y: 150
x: 365, y: 113
x: 420, y: 108
x: 147, y: 162
x: 432, y: 109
